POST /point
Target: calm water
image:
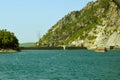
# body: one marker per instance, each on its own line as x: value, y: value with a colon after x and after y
x: 60, y: 65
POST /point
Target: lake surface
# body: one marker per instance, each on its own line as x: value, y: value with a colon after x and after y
x: 60, y: 65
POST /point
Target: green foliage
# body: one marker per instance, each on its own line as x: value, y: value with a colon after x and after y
x: 8, y: 40
x: 91, y: 37
x: 80, y: 32
x: 117, y: 2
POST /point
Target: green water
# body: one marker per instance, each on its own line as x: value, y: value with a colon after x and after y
x: 60, y: 65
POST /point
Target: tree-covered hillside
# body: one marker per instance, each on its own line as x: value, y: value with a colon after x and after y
x: 96, y: 20
x: 8, y: 40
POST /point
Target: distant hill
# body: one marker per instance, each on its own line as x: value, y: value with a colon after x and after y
x: 29, y: 44
x: 96, y: 25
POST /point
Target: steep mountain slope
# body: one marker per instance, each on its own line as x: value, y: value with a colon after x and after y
x: 96, y: 25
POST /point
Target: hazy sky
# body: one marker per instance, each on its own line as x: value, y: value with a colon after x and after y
x: 29, y: 19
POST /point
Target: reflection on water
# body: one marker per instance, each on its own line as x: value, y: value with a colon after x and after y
x: 60, y: 65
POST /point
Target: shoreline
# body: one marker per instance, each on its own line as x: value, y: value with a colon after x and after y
x: 45, y: 48
x: 8, y: 50
x: 51, y: 48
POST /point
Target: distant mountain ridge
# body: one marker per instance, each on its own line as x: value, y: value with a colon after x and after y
x: 28, y: 44
x: 96, y: 25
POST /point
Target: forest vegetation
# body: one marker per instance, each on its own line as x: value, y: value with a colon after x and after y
x: 8, y: 40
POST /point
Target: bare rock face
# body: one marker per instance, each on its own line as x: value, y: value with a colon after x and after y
x: 110, y: 34
x: 113, y: 40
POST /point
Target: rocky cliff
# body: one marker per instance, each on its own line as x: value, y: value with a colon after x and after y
x: 96, y: 25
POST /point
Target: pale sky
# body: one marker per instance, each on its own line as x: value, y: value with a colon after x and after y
x: 29, y: 19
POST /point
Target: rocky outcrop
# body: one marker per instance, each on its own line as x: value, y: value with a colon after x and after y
x: 113, y: 40
x: 96, y: 25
